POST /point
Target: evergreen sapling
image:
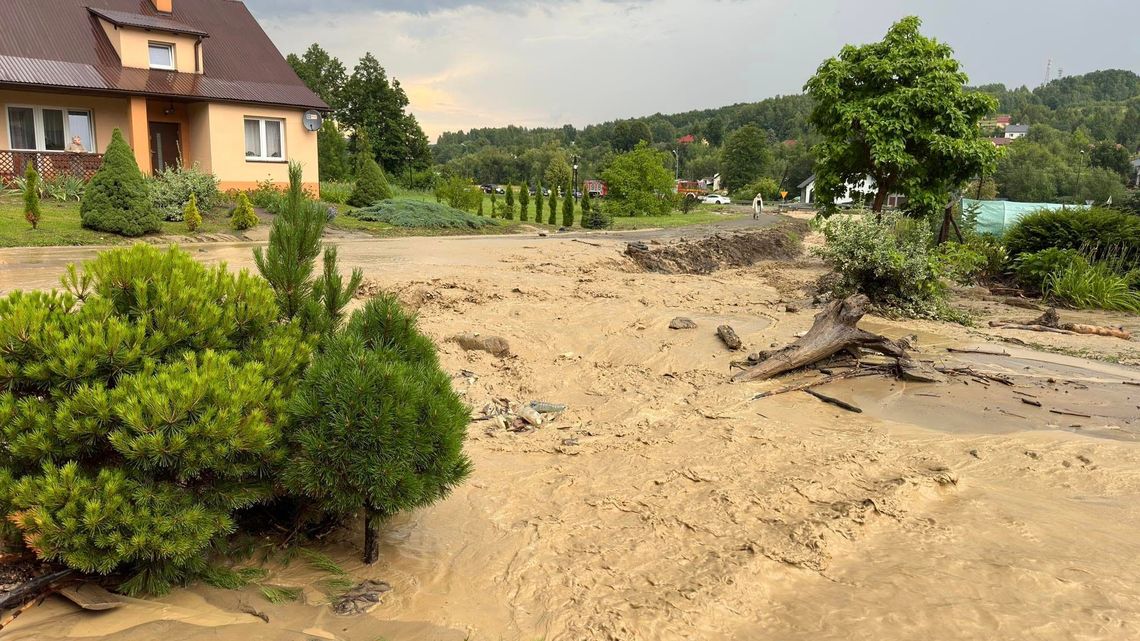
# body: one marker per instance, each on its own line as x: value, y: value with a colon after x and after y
x: 552, y: 205
x: 568, y: 208
x: 510, y: 213
x: 191, y: 215
x: 32, y: 212
x: 524, y: 203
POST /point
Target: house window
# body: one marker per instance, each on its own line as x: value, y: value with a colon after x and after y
x: 50, y: 129
x: 265, y: 139
x: 161, y: 55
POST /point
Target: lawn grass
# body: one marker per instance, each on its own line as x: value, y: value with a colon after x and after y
x: 699, y: 216
x: 60, y: 226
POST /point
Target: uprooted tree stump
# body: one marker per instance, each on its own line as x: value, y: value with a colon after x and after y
x: 835, y: 330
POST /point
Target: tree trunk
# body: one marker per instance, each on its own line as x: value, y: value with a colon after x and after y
x: 880, y: 198
x: 371, y: 536
x: 835, y: 331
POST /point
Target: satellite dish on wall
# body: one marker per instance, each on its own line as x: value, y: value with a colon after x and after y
x: 313, y: 120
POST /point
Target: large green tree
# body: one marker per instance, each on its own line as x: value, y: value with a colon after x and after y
x: 898, y: 111
x: 372, y: 103
x: 639, y: 183
x: 321, y: 72
x: 746, y: 156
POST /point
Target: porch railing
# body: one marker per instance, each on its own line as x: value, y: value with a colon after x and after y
x: 50, y: 164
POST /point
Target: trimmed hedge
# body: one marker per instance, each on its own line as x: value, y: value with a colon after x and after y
x: 417, y: 213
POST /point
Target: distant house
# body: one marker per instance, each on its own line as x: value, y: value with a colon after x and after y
x: 1013, y: 132
x: 186, y: 81
x: 1001, y: 142
x: 854, y: 192
x: 1000, y: 121
x: 687, y: 139
x: 711, y: 184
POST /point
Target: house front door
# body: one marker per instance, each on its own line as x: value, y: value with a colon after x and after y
x: 165, y: 146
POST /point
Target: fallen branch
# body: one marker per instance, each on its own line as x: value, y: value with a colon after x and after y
x: 834, y: 401
x: 35, y: 588
x: 834, y: 331
x: 1097, y: 330
x: 728, y: 335
x: 1029, y: 328
x: 577, y: 240
x: 1050, y: 322
x: 1068, y: 413
x: 800, y: 387
x: 979, y: 350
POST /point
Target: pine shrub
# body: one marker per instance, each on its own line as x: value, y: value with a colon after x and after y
x: 510, y: 212
x: 376, y: 425
x: 594, y: 216
x: 568, y: 209
x: 1111, y: 231
x: 243, y: 217
x: 480, y: 212
x: 524, y: 203
x: 191, y: 215
x: 32, y: 212
x: 118, y: 198
x: 552, y: 208
x: 140, y: 410
x: 371, y: 183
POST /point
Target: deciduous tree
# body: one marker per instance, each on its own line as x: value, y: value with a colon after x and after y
x: 897, y: 111
x: 639, y: 184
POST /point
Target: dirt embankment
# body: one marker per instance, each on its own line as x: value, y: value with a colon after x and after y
x: 719, y: 251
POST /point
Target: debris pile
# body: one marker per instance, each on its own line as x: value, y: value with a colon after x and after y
x: 507, y: 415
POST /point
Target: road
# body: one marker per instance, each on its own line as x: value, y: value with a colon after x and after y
x: 27, y: 268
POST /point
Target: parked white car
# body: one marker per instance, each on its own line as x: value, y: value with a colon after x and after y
x: 716, y: 199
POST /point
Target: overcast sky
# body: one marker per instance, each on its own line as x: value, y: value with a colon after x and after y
x: 467, y: 63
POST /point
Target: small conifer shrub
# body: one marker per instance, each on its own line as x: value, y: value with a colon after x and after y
x: 510, y: 212
x: 243, y: 216
x: 524, y: 203
x: 32, y: 212
x: 568, y: 209
x: 139, y: 411
x: 117, y: 199
x: 191, y: 215
x: 552, y: 204
x: 375, y: 425
x: 371, y: 183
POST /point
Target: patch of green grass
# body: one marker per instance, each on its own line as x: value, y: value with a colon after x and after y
x: 700, y: 216
x: 61, y: 226
x: 416, y: 213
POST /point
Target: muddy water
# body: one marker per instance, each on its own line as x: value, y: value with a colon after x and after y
x: 665, y: 504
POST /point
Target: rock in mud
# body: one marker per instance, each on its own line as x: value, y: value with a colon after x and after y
x: 529, y: 415
x: 728, y: 335
x: 475, y: 342
x: 682, y: 323
x: 542, y: 407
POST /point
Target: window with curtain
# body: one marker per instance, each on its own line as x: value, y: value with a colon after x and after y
x: 49, y: 128
x: 22, y: 127
x: 55, y: 137
x: 265, y: 139
x: 161, y: 55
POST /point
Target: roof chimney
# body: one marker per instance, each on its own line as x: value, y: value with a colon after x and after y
x: 165, y: 6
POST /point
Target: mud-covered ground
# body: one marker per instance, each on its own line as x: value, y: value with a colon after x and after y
x: 666, y: 504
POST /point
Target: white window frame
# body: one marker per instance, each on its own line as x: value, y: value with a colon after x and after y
x: 38, y: 122
x: 165, y: 45
x: 261, y: 120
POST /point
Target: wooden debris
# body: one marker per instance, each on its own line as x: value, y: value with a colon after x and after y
x: 1097, y: 330
x: 1068, y: 413
x: 1029, y: 401
x: 834, y: 331
x: 91, y: 596
x: 835, y: 401
x: 1050, y: 322
x: 35, y: 588
x: 728, y: 335
x: 978, y: 350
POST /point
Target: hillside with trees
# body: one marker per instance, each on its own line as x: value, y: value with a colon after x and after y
x: 1098, y: 113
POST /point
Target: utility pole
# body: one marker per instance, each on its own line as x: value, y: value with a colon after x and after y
x: 677, y: 163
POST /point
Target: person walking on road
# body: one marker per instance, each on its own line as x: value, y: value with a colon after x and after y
x: 757, y: 207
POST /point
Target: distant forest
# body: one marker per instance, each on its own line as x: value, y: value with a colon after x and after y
x: 1084, y: 132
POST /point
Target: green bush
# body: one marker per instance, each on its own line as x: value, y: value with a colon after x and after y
x: 336, y: 193
x: 140, y: 410
x: 568, y: 209
x: 419, y: 180
x: 266, y: 195
x: 1033, y: 269
x: 417, y: 213
x: 1109, y: 229
x: 32, y: 211
x: 639, y: 183
x: 766, y: 187
x: 524, y: 203
x: 595, y: 216
x: 979, y: 260
x: 242, y: 216
x: 376, y: 425
x: 118, y: 198
x: 64, y: 188
x: 458, y: 193
x: 889, y: 261
x: 1086, y: 285
x: 172, y: 189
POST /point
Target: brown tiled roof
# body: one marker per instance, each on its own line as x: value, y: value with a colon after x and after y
x: 59, y: 44
x: 143, y: 21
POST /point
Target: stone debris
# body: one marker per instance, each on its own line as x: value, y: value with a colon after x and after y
x: 682, y: 323
x: 361, y: 598
x: 495, y: 345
